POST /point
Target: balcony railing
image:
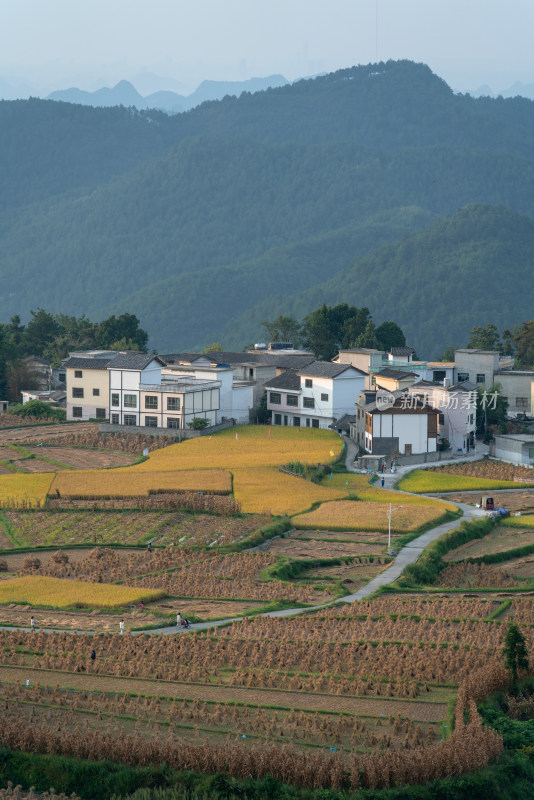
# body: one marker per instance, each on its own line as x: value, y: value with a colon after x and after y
x: 180, y: 387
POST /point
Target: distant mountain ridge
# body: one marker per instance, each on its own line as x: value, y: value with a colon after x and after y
x: 124, y: 93
x: 376, y: 183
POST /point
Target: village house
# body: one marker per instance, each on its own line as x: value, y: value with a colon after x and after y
x: 87, y: 386
x: 487, y: 367
x: 394, y: 424
x: 315, y: 396
x: 457, y: 411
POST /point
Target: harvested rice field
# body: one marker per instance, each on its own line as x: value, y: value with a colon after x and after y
x: 515, y: 501
x: 299, y: 548
x: 59, y: 529
x: 498, y: 540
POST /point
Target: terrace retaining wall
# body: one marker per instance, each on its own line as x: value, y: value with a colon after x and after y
x: 178, y: 433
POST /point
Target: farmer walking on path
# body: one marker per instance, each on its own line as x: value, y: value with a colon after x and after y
x: 121, y: 626
x: 178, y: 619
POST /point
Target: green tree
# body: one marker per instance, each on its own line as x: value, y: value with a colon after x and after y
x: 523, y: 339
x: 367, y: 337
x: 198, y: 423
x: 283, y: 329
x: 329, y: 328
x: 487, y: 338
x: 40, y: 332
x: 515, y: 651
x: 114, y: 329
x: 492, y: 409
x: 389, y: 335
x: 447, y: 355
x: 214, y: 346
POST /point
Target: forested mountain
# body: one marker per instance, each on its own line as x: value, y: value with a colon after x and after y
x: 462, y: 270
x: 206, y: 223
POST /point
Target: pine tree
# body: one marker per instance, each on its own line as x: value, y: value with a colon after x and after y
x: 515, y: 651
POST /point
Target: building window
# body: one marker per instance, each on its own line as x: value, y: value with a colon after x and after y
x: 471, y: 418
x: 173, y: 422
x: 78, y: 373
x: 114, y: 419
x: 96, y: 392
x: 130, y: 419
x: 462, y: 377
x: 130, y: 401
x: 275, y: 398
x: 308, y: 383
x: 315, y: 423
x: 62, y: 377
x: 77, y: 412
x: 173, y: 403
x: 308, y: 402
x: 531, y: 453
x: 292, y: 399
x: 251, y: 372
x: 151, y: 401
x: 151, y: 422
x: 439, y: 375
x: 308, y: 422
x: 521, y: 402
x: 277, y: 419
x: 77, y: 391
x: 101, y: 413
x: 115, y: 400
x: 296, y: 422
x: 324, y: 398
x: 481, y: 378
x: 442, y: 419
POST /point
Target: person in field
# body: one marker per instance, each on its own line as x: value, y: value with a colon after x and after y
x: 178, y: 619
x: 32, y: 624
x: 121, y: 626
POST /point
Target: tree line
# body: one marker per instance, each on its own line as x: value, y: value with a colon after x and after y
x: 52, y: 337
x: 329, y: 329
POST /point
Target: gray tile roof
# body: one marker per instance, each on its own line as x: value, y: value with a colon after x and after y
x: 290, y: 381
x: 402, y: 351
x: 343, y: 423
x: 327, y: 369
x: 290, y: 362
x: 396, y: 374
x: 133, y: 361
x: 75, y: 362
x: 463, y: 386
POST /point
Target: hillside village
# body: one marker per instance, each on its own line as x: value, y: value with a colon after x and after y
x: 392, y: 405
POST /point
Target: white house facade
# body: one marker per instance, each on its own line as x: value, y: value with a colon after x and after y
x: 315, y: 396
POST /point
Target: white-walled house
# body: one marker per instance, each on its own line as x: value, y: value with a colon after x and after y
x: 87, y: 387
x: 395, y: 424
x: 315, y: 396
x: 457, y: 411
x: 127, y: 372
x: 236, y: 397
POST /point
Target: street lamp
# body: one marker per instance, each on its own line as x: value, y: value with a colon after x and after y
x: 389, y: 513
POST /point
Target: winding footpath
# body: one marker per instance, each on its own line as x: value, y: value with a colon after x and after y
x: 407, y: 555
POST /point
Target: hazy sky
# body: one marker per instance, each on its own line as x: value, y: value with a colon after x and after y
x: 54, y: 44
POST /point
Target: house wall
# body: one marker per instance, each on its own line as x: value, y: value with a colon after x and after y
x: 392, y: 384
x: 515, y: 450
x: 518, y: 388
x: 475, y: 364
x: 411, y: 429
x: 459, y: 420
x: 91, y: 380
x: 242, y: 402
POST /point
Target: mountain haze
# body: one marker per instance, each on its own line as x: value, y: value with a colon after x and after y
x: 332, y: 189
